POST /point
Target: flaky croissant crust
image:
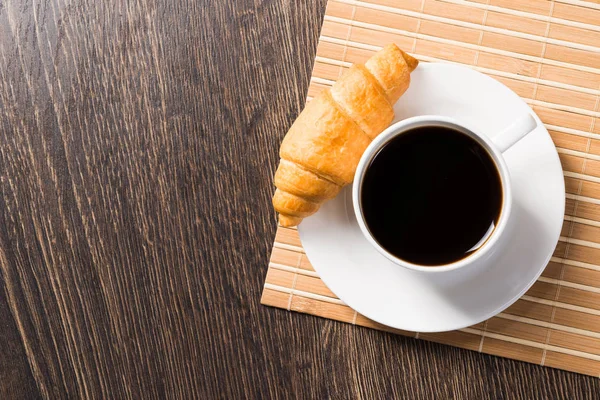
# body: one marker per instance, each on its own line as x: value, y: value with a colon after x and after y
x: 322, y: 148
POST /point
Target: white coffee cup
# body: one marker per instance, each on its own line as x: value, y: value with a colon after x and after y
x: 495, y: 146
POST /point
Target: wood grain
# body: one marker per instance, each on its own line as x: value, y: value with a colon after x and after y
x: 137, y: 145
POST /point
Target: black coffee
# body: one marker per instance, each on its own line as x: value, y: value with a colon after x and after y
x: 431, y: 196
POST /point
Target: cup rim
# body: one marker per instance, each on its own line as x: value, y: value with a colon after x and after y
x: 403, y: 126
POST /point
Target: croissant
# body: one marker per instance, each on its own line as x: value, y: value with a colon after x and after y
x: 321, y: 151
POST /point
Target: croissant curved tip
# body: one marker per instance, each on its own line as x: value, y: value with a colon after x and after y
x: 287, y: 221
x: 411, y: 62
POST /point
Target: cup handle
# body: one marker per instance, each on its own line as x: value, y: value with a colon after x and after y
x: 514, y: 132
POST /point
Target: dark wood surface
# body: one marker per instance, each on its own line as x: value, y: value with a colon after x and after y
x: 137, y: 144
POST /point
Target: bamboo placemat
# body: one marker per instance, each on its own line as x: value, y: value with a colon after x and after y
x: 549, y: 53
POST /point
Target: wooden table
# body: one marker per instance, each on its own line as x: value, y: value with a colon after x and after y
x: 137, y: 146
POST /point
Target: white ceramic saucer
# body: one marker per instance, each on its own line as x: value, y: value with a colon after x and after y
x: 389, y: 294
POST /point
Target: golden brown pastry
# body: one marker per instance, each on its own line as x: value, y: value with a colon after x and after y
x: 321, y: 151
